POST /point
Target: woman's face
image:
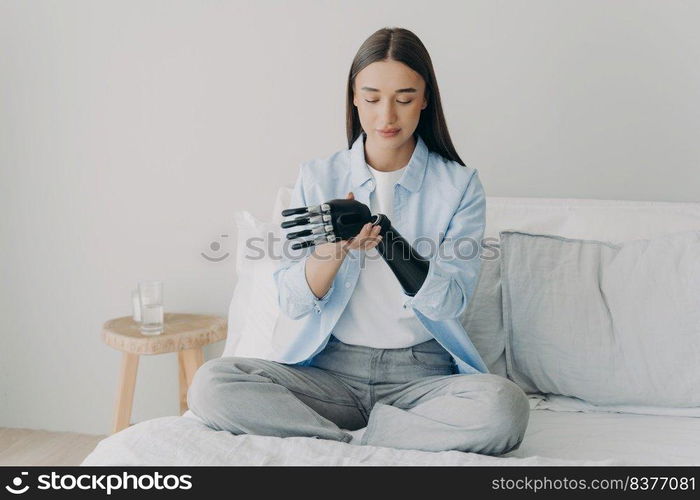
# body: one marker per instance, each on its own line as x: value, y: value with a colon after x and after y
x: 389, y: 95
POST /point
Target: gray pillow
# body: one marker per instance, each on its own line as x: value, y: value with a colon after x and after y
x: 612, y: 324
x: 483, y: 317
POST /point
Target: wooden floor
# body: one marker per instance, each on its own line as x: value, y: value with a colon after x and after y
x: 36, y: 447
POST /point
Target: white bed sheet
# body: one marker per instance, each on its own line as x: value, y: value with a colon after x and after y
x: 558, y: 402
x: 628, y: 439
x: 552, y: 438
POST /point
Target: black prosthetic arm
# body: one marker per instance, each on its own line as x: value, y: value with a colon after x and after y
x: 408, y: 266
x: 343, y: 219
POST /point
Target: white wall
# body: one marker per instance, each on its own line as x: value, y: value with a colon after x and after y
x: 131, y: 131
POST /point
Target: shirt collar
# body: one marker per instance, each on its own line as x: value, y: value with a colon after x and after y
x: 413, y: 175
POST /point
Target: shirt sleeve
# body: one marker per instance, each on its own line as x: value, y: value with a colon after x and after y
x: 455, y: 267
x: 294, y: 295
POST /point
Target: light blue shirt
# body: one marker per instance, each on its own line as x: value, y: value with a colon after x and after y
x: 439, y: 208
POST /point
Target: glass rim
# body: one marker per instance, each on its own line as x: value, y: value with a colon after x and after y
x: 150, y: 283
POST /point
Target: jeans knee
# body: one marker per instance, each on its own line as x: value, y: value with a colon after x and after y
x: 505, y: 407
x: 201, y: 387
x: 205, y: 391
x: 510, y: 410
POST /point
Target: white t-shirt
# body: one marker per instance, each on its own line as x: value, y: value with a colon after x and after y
x: 374, y: 316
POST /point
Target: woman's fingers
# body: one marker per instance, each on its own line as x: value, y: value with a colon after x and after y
x: 366, y: 239
x: 362, y: 236
x: 375, y: 234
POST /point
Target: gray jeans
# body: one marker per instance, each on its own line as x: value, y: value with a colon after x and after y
x: 410, y: 398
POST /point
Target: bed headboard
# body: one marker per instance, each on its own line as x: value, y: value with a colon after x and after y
x: 606, y: 220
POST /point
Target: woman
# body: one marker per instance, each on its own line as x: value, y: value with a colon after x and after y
x: 368, y: 354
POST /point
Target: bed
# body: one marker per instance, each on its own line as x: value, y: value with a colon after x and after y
x: 623, y: 417
x: 552, y: 438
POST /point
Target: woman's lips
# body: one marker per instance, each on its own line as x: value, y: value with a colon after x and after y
x: 389, y: 134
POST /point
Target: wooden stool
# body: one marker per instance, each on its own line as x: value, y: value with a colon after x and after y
x: 185, y: 334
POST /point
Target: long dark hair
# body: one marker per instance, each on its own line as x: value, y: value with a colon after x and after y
x: 404, y: 46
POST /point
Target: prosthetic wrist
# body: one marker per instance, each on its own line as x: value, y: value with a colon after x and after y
x: 341, y: 219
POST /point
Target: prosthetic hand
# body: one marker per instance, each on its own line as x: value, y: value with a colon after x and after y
x: 341, y: 219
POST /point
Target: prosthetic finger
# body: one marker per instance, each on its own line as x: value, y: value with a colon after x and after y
x: 324, y: 207
x: 300, y: 221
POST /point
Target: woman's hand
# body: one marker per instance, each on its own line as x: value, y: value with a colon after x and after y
x: 326, y: 258
x: 365, y: 240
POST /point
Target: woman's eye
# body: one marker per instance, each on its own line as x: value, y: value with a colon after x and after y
x: 400, y: 102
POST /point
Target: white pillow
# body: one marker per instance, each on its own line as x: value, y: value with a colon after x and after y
x: 254, y: 317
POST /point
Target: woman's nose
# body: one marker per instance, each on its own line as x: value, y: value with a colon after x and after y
x: 388, y: 114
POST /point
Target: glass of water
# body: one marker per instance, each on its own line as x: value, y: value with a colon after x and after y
x: 151, y: 299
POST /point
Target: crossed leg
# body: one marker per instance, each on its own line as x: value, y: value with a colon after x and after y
x: 257, y: 396
x: 479, y: 413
